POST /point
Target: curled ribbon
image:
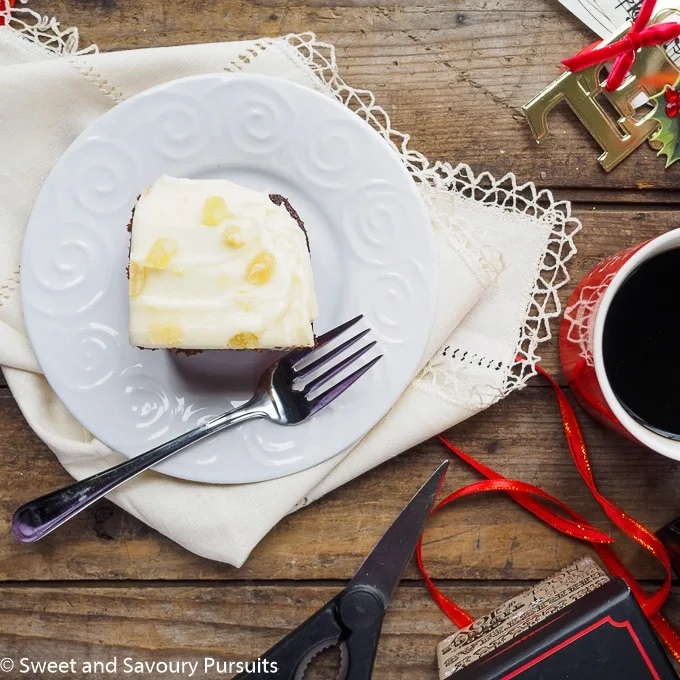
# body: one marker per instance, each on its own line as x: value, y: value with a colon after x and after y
x: 534, y: 500
x: 640, y: 35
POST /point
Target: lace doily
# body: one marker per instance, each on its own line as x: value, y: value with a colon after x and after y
x: 44, y: 31
x: 542, y: 301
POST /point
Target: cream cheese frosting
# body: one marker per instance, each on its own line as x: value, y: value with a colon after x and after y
x: 214, y: 265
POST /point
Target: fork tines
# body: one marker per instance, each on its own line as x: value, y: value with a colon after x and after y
x: 307, y: 369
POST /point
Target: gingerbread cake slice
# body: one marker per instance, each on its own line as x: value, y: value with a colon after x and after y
x: 214, y: 265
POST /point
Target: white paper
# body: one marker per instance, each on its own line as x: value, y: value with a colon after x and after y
x: 607, y: 16
x: 601, y: 16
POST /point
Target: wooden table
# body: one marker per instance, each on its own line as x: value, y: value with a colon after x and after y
x: 108, y: 585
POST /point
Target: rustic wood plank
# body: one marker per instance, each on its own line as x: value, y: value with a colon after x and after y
x: 192, y: 624
x: 486, y: 538
x: 435, y: 66
x: 232, y: 623
x: 638, y: 199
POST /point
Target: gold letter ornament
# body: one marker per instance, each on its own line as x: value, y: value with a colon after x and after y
x: 649, y: 75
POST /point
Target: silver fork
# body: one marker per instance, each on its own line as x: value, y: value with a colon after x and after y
x: 275, y: 398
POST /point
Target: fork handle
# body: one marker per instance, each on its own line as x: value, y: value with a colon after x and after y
x: 39, y: 517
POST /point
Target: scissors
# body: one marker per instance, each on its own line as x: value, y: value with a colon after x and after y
x: 353, y: 618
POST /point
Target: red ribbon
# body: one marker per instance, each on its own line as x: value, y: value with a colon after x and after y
x: 640, y: 35
x: 4, y: 6
x: 534, y: 500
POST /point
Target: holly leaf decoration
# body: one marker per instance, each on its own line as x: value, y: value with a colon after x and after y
x: 667, y: 113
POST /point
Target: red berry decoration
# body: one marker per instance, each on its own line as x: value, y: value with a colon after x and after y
x: 672, y: 109
x: 672, y: 95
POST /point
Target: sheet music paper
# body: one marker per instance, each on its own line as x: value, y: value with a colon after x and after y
x: 601, y: 16
x: 606, y: 16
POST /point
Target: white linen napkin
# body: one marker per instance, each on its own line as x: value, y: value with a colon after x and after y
x: 502, y: 250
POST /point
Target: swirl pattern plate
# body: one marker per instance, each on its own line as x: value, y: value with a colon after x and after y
x: 372, y: 253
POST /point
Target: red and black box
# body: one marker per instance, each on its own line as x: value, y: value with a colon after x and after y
x: 602, y: 636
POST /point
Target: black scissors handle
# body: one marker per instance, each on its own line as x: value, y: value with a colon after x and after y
x: 362, y: 611
x: 288, y: 658
x: 353, y: 618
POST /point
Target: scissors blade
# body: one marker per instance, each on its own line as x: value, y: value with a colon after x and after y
x: 383, y: 568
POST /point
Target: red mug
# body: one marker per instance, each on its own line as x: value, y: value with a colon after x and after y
x: 581, y: 342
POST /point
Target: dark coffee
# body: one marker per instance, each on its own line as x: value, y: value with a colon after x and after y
x: 641, y: 344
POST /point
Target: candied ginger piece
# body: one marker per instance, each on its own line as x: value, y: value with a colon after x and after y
x: 233, y: 237
x: 214, y: 211
x: 261, y: 268
x: 245, y: 340
x: 161, y: 252
x: 168, y: 334
x: 137, y: 277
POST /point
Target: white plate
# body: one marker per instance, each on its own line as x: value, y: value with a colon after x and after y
x: 372, y: 253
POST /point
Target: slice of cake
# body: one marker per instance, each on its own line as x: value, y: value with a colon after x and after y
x: 214, y: 265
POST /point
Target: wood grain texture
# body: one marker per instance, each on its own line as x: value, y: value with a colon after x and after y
x: 227, y: 623
x: 437, y: 67
x: 106, y: 585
